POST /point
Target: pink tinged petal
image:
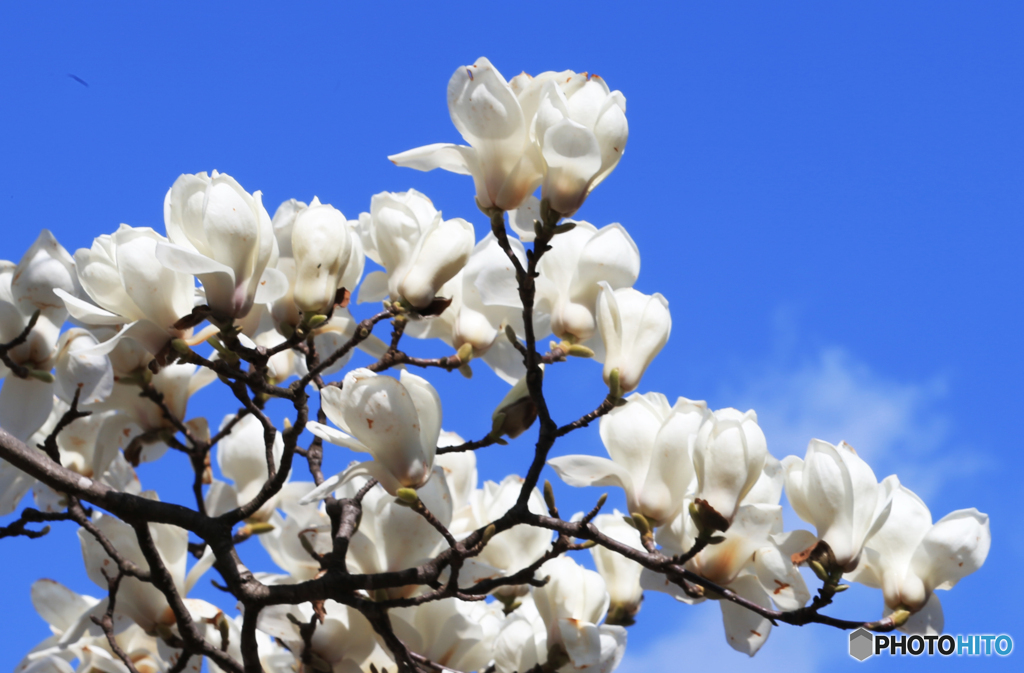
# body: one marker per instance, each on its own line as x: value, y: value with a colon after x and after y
x: 956, y: 546
x: 24, y: 405
x: 58, y: 605
x: 573, y: 159
x: 594, y: 471
x: 745, y: 630
x: 453, y: 158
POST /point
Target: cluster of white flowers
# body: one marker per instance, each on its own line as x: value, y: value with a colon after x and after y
x: 111, y: 331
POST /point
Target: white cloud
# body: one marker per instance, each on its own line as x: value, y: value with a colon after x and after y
x: 896, y: 426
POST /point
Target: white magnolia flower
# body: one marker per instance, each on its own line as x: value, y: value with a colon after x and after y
x: 572, y: 603
x: 753, y: 560
x: 222, y: 235
x: 129, y: 286
x: 45, y: 267
x: 571, y: 274
x: 140, y: 415
x: 344, y: 643
x: 25, y: 403
x: 450, y: 632
x: 419, y: 251
x: 621, y: 575
x: 242, y: 458
x: 323, y: 247
x: 397, y: 421
x: 634, y: 327
x: 836, y: 491
x: 580, y: 126
x: 485, y: 299
x: 325, y: 255
x: 503, y: 158
x: 514, y: 549
x: 729, y: 454
x: 909, y: 557
x: 393, y: 537
x: 291, y: 522
x: 140, y: 601
x: 80, y: 369
x: 649, y: 444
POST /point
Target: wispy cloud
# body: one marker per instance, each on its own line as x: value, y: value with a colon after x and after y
x: 896, y: 426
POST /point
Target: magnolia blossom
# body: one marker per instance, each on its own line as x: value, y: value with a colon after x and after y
x: 25, y: 403
x: 835, y: 490
x: 572, y: 603
x: 634, y: 327
x: 729, y: 454
x: 753, y: 560
x: 222, y: 235
x: 580, y: 126
x: 908, y: 557
x: 571, y: 274
x: 485, y: 300
x: 397, y: 421
x: 393, y: 537
x: 242, y: 458
x: 621, y: 575
x: 130, y: 288
x: 649, y: 444
x: 292, y: 524
x: 514, y: 549
x: 419, y: 251
x: 44, y: 268
x: 140, y: 601
x: 344, y: 642
x: 450, y: 632
x: 141, y: 418
x: 320, y: 253
x: 503, y: 158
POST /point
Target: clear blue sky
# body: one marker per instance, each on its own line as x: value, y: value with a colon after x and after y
x: 829, y: 195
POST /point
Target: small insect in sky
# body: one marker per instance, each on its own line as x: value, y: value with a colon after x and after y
x: 78, y: 79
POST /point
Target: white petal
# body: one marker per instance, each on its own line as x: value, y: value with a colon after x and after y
x: 273, y: 285
x: 87, y: 313
x: 745, y: 630
x: 592, y: 471
x: 24, y: 405
x: 454, y: 158
x: 374, y: 288
x: 336, y: 437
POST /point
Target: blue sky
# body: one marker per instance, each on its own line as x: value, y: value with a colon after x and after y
x: 829, y: 195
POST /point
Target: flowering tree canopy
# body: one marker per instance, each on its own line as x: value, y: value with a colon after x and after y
x: 404, y: 561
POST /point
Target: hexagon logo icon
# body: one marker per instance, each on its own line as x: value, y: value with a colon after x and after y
x: 862, y: 644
